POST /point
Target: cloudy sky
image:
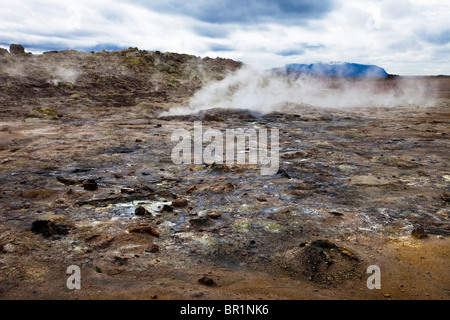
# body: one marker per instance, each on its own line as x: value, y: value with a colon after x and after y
x: 406, y: 37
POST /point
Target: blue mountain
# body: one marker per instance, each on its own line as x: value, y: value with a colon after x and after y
x: 345, y: 69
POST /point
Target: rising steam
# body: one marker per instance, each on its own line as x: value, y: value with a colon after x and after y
x: 264, y: 92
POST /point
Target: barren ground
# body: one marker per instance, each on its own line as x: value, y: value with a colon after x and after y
x: 352, y: 185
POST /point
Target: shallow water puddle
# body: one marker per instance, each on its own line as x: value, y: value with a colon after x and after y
x: 126, y: 210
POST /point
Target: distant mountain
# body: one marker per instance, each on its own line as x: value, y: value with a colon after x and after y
x: 345, y: 69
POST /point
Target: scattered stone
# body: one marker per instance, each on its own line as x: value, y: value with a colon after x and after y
x: 127, y: 190
x: 144, y: 229
x: 218, y: 168
x: 179, y: 203
x: 90, y: 185
x: 16, y: 49
x: 141, y: 211
x: 214, y: 215
x: 48, y: 228
x: 419, y: 233
x: 297, y: 193
x: 67, y: 181
x: 154, y: 297
x: 154, y: 248
x: 118, y: 175
x: 445, y: 197
x: 261, y: 199
x: 98, y: 270
x: 166, y: 208
x: 387, y: 295
x: 201, y: 222
x: 7, y: 248
x: 207, y: 281
x: 120, y: 261
x: 191, y: 189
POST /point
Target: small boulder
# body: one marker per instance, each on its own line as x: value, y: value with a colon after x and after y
x: 154, y: 248
x: 179, y: 203
x: 16, y: 49
x: 419, y: 233
x: 141, y: 211
x: 214, y: 215
x: 3, y: 52
x: 207, y: 281
x: 166, y: 208
x: 144, y: 229
x: 47, y: 228
x: 201, y: 222
x: 90, y: 185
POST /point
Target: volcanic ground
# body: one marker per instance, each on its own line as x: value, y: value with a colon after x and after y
x: 87, y: 179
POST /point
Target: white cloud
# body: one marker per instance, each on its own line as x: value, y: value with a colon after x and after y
x: 404, y: 37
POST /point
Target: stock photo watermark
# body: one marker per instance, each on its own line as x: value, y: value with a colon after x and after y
x: 74, y: 281
x: 374, y: 281
x: 236, y: 146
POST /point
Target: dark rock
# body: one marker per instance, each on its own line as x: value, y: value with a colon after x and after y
x: 201, y: 222
x: 166, y: 208
x: 214, y: 215
x: 144, y: 229
x: 445, y: 197
x: 48, y: 228
x: 141, y: 211
x: 51, y: 52
x: 98, y: 270
x: 154, y: 248
x: 16, y: 49
x: 207, y: 281
x: 127, y: 190
x: 218, y: 168
x: 120, y: 261
x: 90, y: 185
x: 179, y: 203
x: 419, y: 233
x: 67, y: 181
x: 3, y: 52
x: 261, y: 199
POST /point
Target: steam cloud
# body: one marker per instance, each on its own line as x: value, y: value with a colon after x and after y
x: 264, y: 92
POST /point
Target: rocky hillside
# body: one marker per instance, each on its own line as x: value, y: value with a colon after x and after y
x: 56, y: 83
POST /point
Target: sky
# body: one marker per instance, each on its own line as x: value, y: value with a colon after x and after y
x: 405, y: 37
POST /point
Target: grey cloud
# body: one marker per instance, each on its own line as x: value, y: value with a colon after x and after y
x: 211, y: 31
x: 291, y: 52
x: 439, y: 38
x: 219, y: 47
x: 300, y: 49
x: 245, y: 11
